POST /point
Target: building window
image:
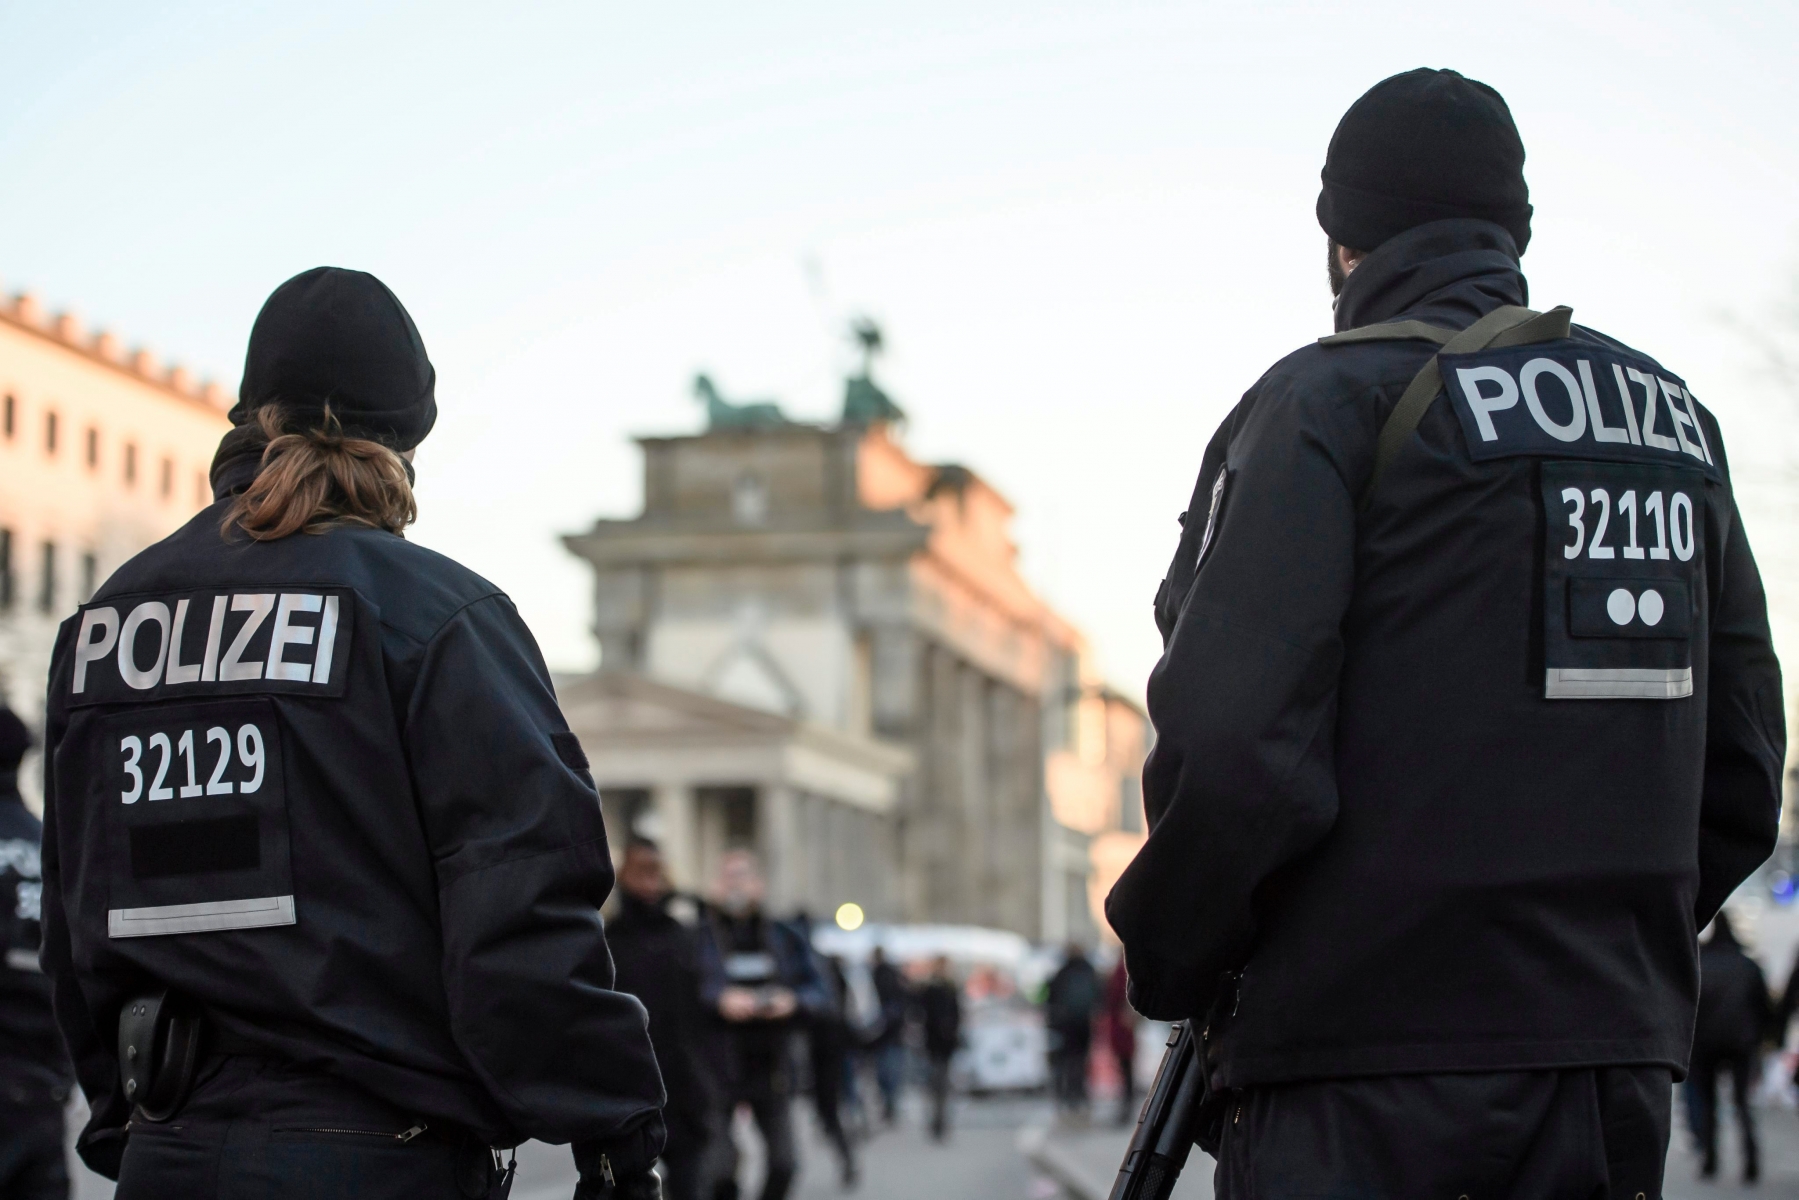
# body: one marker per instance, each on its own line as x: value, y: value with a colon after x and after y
x: 1078, y: 916
x: 1130, y: 804
x: 168, y: 478
x: 50, y: 433
x: 46, y: 596
x: 93, y: 447
x: 749, y: 499
x: 8, y: 416
x: 130, y: 464
x: 6, y: 591
x: 90, y: 576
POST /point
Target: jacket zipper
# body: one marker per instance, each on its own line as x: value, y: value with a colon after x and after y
x: 399, y: 1137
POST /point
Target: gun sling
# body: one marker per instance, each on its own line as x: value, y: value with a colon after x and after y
x: 1507, y: 325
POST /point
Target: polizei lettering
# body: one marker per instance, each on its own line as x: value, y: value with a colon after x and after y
x: 138, y: 649
x: 1573, y: 400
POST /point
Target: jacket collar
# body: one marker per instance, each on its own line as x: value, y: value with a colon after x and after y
x: 1448, y: 273
x: 238, y: 459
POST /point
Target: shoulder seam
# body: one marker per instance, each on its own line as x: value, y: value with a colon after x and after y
x: 453, y: 614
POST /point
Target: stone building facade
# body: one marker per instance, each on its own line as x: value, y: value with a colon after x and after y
x: 103, y: 451
x: 820, y: 576
x: 704, y: 775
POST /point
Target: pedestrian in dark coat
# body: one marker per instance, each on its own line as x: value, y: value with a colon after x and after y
x: 1734, y: 1016
x: 830, y: 1039
x: 760, y: 977
x: 35, y: 1076
x: 940, y: 1019
x: 656, y: 955
x: 1069, y: 1008
x: 1783, y: 1016
x: 887, y: 1041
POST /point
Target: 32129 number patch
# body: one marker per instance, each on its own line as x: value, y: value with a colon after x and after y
x: 197, y: 812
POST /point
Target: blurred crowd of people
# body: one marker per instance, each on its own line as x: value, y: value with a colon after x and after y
x: 1076, y: 1006
x: 746, y: 1016
x: 731, y: 991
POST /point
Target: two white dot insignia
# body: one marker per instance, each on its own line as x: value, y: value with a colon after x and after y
x: 1622, y: 607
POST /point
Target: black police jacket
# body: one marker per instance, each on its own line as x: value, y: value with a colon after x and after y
x: 1453, y: 777
x: 33, y: 1068
x: 657, y: 957
x: 322, y: 787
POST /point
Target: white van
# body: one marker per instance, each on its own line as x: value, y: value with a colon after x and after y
x: 1004, y: 1044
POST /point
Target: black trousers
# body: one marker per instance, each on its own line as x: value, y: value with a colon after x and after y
x: 829, y: 1052
x: 1534, y: 1135
x: 767, y: 1092
x: 1706, y: 1066
x: 259, y: 1130
x: 1127, y: 1086
x: 32, y: 1162
x: 686, y: 1160
x: 937, y: 1077
x: 1070, y: 1048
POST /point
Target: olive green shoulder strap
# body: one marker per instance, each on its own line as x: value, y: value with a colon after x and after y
x: 1398, y: 331
x: 1508, y: 325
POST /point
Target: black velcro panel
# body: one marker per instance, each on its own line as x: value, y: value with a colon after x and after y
x: 195, y: 847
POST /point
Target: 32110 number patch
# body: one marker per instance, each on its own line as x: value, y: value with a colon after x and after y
x: 1622, y: 579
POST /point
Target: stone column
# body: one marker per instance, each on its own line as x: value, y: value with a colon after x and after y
x: 896, y: 657
x: 975, y: 810
x: 941, y: 813
x: 777, y: 843
x: 1006, y: 866
x: 673, y: 804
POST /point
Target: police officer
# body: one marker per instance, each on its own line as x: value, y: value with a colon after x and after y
x: 1467, y: 716
x: 323, y: 862
x: 34, y: 1071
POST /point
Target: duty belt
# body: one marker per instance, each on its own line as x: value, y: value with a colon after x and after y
x: 159, y: 1052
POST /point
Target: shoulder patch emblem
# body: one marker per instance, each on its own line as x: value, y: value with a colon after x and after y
x: 151, y: 648
x: 1572, y: 400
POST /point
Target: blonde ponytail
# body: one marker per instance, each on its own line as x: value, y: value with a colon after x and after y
x: 314, y: 479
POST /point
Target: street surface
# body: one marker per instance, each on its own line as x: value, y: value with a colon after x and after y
x: 983, y: 1160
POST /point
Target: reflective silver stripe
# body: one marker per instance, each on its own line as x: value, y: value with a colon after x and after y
x: 199, y: 918
x: 1618, y: 683
x: 23, y: 960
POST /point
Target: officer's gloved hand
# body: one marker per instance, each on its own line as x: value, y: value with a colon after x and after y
x: 623, y: 1167
x: 103, y: 1151
x: 645, y: 1185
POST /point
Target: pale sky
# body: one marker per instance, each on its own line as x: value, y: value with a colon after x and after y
x: 1086, y: 228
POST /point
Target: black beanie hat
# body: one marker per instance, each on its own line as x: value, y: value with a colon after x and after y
x: 15, y: 739
x: 1420, y: 147
x: 337, y: 337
